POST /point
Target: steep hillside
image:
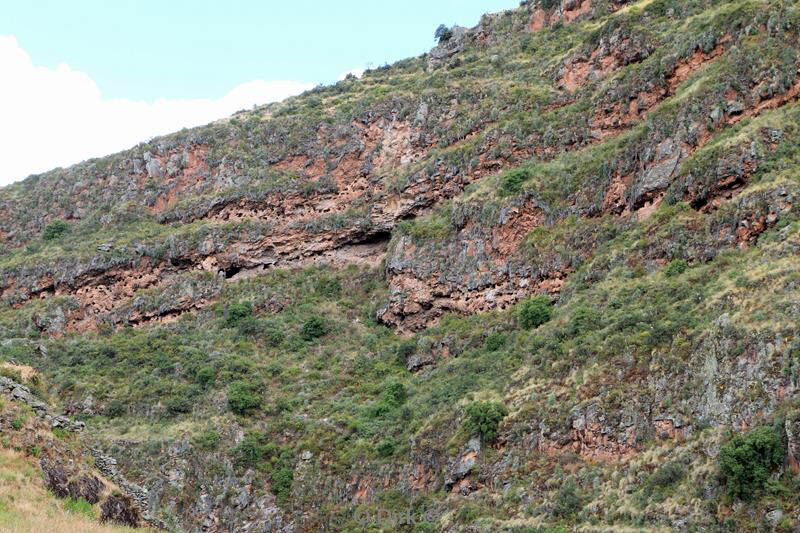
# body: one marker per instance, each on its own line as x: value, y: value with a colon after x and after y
x: 542, y: 278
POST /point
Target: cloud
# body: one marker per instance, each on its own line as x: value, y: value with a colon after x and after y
x: 58, y: 117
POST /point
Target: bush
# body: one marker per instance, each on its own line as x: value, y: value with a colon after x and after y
x: 273, y: 336
x: 494, y: 341
x: 747, y: 460
x: 55, y: 230
x: 282, y: 482
x: 534, y: 312
x: 668, y: 474
x: 511, y: 182
x: 253, y: 450
x: 208, y: 440
x: 329, y: 287
x: 179, y: 404
x: 314, y: 328
x: 442, y: 34
x: 483, y: 419
x: 242, y: 398
x: 115, y: 408
x: 567, y: 501
x: 395, y: 394
x: 386, y: 447
x: 583, y: 319
x: 676, y: 268
x: 238, y: 312
x: 206, y: 376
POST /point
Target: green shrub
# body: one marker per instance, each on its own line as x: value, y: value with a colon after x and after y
x: 483, y: 419
x: 236, y: 313
x: 329, y: 287
x: 254, y: 449
x: 206, y: 376
x: 17, y: 423
x: 55, y: 230
x: 273, y: 336
x: 511, y: 182
x: 386, y: 447
x: 179, y: 403
x: 314, y: 328
x: 115, y: 408
x: 534, y: 312
x: 567, y: 501
x: 242, y: 398
x: 666, y: 475
x: 676, y: 268
x: 442, y: 34
x: 494, y: 341
x: 282, y: 482
x: 583, y: 319
x: 747, y: 460
x: 208, y: 440
x: 395, y: 394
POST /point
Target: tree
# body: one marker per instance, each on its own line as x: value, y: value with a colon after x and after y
x: 483, y: 418
x: 747, y: 460
x: 54, y: 230
x: 535, y: 311
x: 443, y: 34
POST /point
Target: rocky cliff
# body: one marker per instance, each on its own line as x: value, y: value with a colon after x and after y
x: 541, y: 278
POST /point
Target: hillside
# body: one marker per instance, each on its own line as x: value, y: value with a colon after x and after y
x: 545, y: 277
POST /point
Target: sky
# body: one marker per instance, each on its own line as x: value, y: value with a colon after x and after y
x: 87, y: 78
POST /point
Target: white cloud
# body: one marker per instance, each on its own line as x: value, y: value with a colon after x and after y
x: 58, y: 117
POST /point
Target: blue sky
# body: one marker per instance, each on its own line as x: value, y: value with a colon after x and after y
x: 201, y: 48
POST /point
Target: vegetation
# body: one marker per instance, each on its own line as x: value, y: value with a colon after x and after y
x: 483, y: 419
x: 748, y: 460
x: 605, y: 372
x: 534, y: 312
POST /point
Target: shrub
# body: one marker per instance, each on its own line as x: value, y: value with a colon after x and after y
x: 668, y: 474
x: 242, y: 399
x: 178, y: 404
x: 395, y: 394
x: 567, y: 501
x: 676, y: 268
x: 314, y: 328
x: 115, y: 408
x: 483, y: 418
x: 386, y: 447
x: 282, y: 482
x: 206, y: 376
x: 238, y: 312
x: 208, y: 440
x: 254, y: 449
x: 511, y: 182
x: 747, y: 460
x: 55, y: 230
x: 329, y: 287
x: 442, y: 34
x: 583, y: 319
x: 273, y: 336
x: 535, y: 311
x: 494, y: 341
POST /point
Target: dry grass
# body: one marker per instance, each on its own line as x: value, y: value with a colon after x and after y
x: 26, y: 506
x: 27, y: 372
